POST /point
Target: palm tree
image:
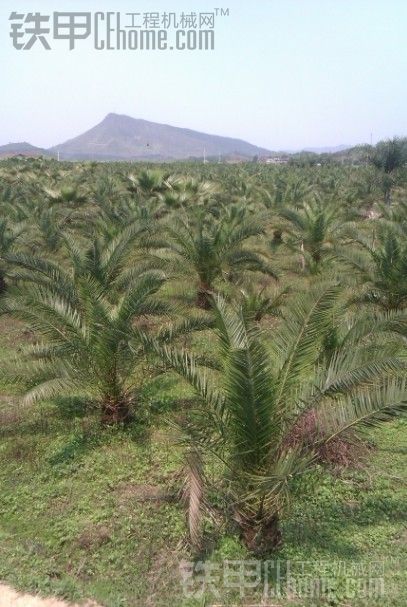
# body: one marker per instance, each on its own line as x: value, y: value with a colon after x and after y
x: 360, y: 193
x: 183, y: 192
x: 288, y: 191
x: 89, y: 347
x: 239, y: 437
x: 104, y: 258
x: 47, y: 230
x: 67, y: 195
x: 9, y: 235
x: 388, y: 156
x: 112, y: 205
x: 85, y: 309
x: 259, y: 304
x: 148, y: 183
x: 210, y: 249
x: 382, y: 267
x: 314, y: 230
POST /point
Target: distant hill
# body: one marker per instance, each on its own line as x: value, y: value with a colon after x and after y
x: 23, y: 148
x: 120, y: 137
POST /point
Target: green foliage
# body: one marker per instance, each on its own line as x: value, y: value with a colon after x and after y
x: 248, y: 424
x: 241, y: 407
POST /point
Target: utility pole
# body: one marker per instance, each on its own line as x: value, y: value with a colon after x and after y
x: 204, y: 155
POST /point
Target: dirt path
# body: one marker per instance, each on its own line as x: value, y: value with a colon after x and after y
x: 11, y: 598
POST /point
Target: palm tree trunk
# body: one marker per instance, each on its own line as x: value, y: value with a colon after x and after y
x: 115, y: 412
x: 203, y: 296
x: 316, y: 257
x: 261, y: 538
x: 3, y: 285
x: 277, y: 236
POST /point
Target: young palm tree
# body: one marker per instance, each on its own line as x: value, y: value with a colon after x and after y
x: 89, y: 347
x: 104, y: 258
x: 85, y: 309
x: 147, y: 183
x: 314, y: 230
x: 287, y: 191
x: 112, y: 206
x: 360, y: 193
x: 9, y: 234
x: 68, y: 195
x: 209, y: 249
x: 245, y: 420
x: 184, y: 192
x: 47, y: 230
x: 258, y: 304
x: 382, y: 267
x: 389, y: 156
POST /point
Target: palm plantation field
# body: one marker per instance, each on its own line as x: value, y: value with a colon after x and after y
x: 203, y: 366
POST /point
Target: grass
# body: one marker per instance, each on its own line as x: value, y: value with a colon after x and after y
x: 91, y: 513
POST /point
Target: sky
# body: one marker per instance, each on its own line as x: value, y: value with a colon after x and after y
x: 284, y: 74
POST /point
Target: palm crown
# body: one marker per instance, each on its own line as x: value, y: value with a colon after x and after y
x: 211, y: 249
x: 248, y: 416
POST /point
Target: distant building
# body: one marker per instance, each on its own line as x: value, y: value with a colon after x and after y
x: 274, y: 159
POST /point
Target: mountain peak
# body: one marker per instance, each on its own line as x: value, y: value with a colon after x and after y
x: 113, y: 116
x: 121, y: 137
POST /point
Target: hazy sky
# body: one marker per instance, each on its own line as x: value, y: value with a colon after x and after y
x: 284, y: 74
